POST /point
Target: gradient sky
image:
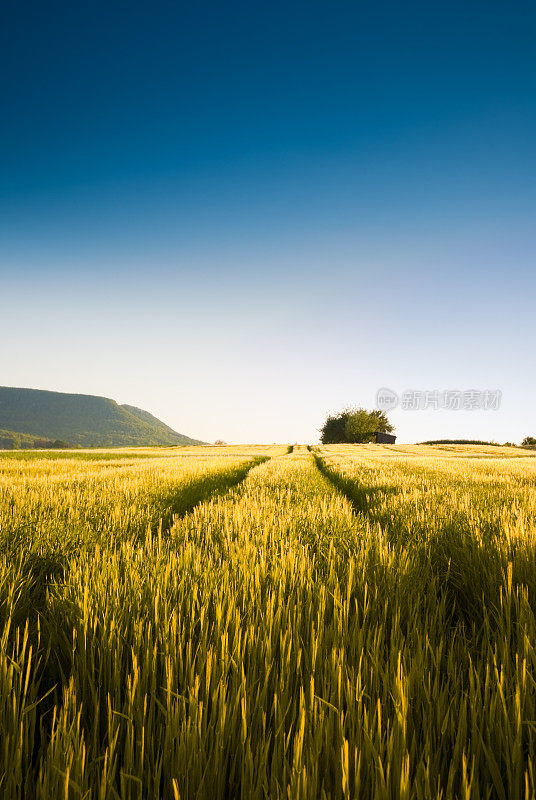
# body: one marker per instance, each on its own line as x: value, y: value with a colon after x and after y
x: 241, y: 216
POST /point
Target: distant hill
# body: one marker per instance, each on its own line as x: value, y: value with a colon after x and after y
x: 83, y: 419
x: 148, y: 418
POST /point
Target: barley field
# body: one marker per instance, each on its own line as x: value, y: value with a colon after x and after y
x: 347, y: 621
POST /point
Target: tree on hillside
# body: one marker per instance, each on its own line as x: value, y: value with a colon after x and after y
x: 354, y: 425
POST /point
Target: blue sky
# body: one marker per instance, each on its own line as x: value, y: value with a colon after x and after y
x: 242, y: 216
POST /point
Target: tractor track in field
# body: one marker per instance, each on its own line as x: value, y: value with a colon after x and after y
x: 356, y: 496
x: 53, y: 676
x: 209, y: 489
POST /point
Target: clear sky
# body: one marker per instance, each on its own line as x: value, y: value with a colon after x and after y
x: 241, y: 216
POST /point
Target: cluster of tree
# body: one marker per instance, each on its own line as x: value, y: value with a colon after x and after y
x: 14, y: 440
x: 528, y: 441
x: 354, y: 426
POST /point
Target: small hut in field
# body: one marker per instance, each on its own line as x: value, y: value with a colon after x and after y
x: 384, y: 438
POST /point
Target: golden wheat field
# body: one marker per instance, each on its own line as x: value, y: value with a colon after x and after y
x: 347, y: 621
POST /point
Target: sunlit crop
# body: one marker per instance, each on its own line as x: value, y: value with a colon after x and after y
x: 347, y: 622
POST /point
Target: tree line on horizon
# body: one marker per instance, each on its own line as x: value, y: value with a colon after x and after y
x: 358, y: 426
